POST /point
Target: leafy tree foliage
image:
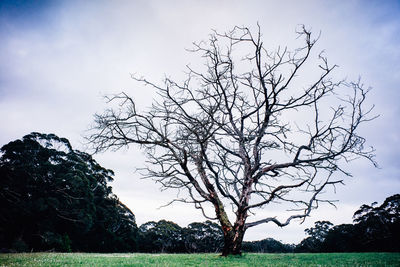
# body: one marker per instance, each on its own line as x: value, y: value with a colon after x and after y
x: 203, y: 237
x: 198, y: 237
x: 55, y: 197
x: 375, y: 228
x: 380, y: 225
x: 162, y: 236
x: 268, y: 245
x: 317, y: 235
x: 320, y: 230
x: 168, y: 237
x: 342, y: 238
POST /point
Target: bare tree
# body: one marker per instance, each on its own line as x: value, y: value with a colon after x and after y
x: 246, y: 131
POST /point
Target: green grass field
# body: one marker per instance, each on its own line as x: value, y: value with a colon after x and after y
x: 254, y: 260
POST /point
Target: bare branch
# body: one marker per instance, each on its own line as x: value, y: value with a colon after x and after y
x: 230, y: 133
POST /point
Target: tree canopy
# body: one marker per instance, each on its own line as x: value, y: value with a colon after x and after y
x: 53, y: 197
x: 375, y: 228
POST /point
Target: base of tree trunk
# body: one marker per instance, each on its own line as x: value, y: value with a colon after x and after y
x: 232, y: 244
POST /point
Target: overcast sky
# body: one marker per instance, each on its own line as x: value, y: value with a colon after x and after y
x: 59, y: 58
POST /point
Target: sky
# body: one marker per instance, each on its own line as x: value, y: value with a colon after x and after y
x: 58, y: 59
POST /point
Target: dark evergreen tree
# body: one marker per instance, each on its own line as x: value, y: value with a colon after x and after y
x: 379, y: 225
x: 268, y: 245
x: 317, y: 235
x: 203, y: 237
x: 375, y: 228
x: 342, y: 238
x: 163, y: 236
x: 54, y: 197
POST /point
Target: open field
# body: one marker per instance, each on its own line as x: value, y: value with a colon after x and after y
x: 137, y: 259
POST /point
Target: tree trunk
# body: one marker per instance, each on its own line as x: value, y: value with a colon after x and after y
x: 233, y: 234
x: 233, y: 242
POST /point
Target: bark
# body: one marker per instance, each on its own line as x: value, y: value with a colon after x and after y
x: 233, y: 242
x: 233, y: 235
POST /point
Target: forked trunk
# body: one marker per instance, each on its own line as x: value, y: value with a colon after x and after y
x: 233, y: 234
x: 232, y: 242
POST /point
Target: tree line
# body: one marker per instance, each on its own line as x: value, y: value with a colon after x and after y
x: 56, y: 198
x: 375, y: 228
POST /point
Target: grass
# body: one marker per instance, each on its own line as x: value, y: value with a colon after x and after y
x: 253, y: 260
